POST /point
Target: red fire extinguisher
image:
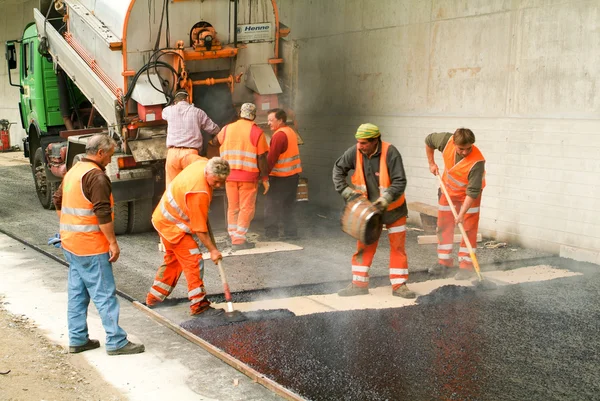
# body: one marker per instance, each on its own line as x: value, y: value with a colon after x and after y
x: 4, y: 135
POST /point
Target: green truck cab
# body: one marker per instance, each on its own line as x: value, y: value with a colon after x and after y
x: 52, y: 108
x: 38, y: 107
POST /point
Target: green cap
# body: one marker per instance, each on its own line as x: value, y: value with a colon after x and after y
x: 367, y: 131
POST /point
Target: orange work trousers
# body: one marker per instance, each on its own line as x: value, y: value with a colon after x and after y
x: 362, y: 259
x: 177, y: 160
x: 445, y: 232
x: 185, y: 257
x: 241, y: 206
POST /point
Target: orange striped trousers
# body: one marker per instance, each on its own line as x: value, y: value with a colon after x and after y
x: 362, y: 259
x: 445, y: 232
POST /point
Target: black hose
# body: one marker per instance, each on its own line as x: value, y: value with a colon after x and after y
x: 162, y: 17
x: 142, y: 70
x: 235, y: 22
x: 168, y: 30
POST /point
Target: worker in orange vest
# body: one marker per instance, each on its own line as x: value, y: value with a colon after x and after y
x: 244, y: 146
x: 284, y: 173
x: 464, y: 178
x: 181, y: 213
x: 379, y: 176
x: 84, y: 204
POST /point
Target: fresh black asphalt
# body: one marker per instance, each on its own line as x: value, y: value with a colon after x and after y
x: 535, y: 341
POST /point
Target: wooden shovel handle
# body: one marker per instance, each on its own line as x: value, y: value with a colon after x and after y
x: 224, y: 281
x: 461, y: 228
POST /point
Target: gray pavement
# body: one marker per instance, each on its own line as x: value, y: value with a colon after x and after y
x: 325, y: 257
x: 172, y: 368
x: 321, y: 267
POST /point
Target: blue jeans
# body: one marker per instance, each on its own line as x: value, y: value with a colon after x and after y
x: 91, y: 277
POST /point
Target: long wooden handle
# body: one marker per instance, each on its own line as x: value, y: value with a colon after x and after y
x: 224, y: 281
x: 226, y: 290
x: 461, y: 228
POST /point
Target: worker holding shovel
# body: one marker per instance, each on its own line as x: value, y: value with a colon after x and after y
x: 182, y: 212
x: 464, y: 180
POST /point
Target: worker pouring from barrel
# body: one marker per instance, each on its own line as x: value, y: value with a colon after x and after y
x: 379, y: 176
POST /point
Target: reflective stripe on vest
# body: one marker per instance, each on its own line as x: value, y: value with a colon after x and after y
x: 288, y: 162
x: 79, y: 228
x: 237, y: 146
x: 170, y: 218
x: 456, y: 175
x: 358, y: 178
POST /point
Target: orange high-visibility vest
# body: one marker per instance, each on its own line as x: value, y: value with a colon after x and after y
x: 456, y: 175
x: 237, y: 147
x: 288, y: 162
x: 79, y: 228
x: 358, y: 178
x: 170, y: 218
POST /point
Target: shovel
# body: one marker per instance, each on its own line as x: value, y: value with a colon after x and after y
x: 231, y: 315
x: 479, y: 282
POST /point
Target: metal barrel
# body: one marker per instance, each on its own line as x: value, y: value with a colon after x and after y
x: 362, y: 221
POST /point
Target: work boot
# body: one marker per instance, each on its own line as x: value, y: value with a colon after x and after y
x: 152, y: 301
x: 208, y: 311
x: 205, y: 309
x: 91, y: 344
x: 464, y: 274
x: 353, y: 290
x: 403, y: 292
x: 440, y: 270
x: 243, y: 245
x: 128, y: 349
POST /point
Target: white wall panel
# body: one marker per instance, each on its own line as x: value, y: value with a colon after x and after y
x: 521, y: 74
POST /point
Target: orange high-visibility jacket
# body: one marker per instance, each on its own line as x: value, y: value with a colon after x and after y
x: 358, y: 178
x: 237, y: 147
x: 288, y: 162
x: 79, y: 229
x: 456, y: 175
x: 171, y: 216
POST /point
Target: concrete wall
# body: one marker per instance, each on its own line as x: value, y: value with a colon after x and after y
x: 13, y: 18
x: 523, y: 75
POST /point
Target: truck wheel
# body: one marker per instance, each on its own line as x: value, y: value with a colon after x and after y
x: 43, y: 187
x: 140, y: 215
x: 121, y: 210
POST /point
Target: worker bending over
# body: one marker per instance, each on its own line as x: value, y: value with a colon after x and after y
x: 378, y: 175
x: 182, y: 212
x: 244, y: 146
x: 464, y: 178
x: 284, y: 173
x: 84, y: 203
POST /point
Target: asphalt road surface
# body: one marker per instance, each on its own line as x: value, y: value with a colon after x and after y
x: 528, y: 341
x: 324, y: 259
x: 535, y: 341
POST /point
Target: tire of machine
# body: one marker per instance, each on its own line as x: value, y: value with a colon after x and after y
x: 46, y: 191
x: 140, y: 216
x: 121, y: 210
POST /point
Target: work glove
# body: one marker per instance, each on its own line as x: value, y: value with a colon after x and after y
x: 381, y: 203
x: 55, y: 241
x: 349, y: 194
